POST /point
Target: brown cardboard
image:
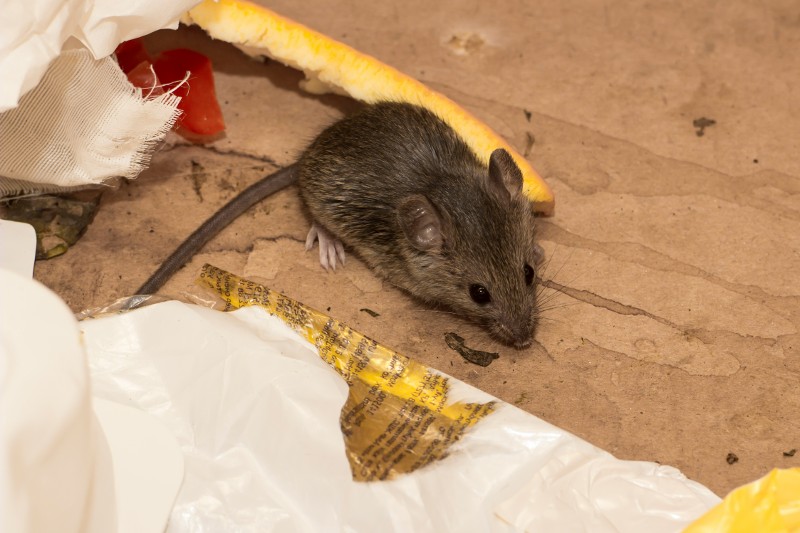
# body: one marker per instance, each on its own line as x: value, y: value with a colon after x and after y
x: 675, y: 339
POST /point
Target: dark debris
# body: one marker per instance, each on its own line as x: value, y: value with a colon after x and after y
x: 701, y: 124
x: 477, y: 357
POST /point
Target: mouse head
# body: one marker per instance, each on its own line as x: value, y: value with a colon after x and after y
x: 475, y: 251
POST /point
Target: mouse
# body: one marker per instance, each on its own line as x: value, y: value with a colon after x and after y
x: 400, y: 189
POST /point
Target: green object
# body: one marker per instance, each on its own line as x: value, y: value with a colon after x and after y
x: 59, y: 221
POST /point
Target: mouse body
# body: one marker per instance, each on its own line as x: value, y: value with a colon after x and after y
x: 400, y: 188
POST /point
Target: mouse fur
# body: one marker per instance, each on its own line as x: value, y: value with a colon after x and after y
x: 401, y: 189
x: 404, y: 192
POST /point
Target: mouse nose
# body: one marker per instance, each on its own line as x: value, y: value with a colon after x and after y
x: 520, y: 333
x: 523, y: 339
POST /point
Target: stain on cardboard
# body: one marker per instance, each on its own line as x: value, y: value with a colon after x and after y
x: 198, y: 177
x: 466, y: 43
x: 529, y: 141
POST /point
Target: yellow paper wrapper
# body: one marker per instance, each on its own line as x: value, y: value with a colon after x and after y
x: 331, y: 66
x: 769, y: 505
x: 397, y: 417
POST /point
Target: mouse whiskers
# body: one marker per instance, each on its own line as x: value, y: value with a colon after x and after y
x: 440, y: 310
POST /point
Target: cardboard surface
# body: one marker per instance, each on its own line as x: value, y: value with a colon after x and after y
x: 675, y: 337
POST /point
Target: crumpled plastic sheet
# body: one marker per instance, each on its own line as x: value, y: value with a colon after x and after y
x: 256, y: 413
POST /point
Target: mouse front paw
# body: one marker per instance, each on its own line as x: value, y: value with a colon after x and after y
x: 330, y: 248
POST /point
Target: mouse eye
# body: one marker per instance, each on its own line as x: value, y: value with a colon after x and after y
x: 528, y: 274
x: 479, y: 294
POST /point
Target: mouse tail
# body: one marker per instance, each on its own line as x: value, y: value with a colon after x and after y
x: 219, y: 220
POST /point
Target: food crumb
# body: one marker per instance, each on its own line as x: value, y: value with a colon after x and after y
x: 701, y: 124
x: 732, y: 458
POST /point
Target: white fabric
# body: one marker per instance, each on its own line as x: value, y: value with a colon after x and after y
x: 82, y: 124
x: 33, y: 32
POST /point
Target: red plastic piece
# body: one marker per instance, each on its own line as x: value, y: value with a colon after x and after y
x: 201, y: 112
x: 201, y: 119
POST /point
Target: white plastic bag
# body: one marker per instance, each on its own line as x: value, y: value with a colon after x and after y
x: 256, y: 412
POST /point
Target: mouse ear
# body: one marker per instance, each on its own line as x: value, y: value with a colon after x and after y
x: 420, y: 223
x: 505, y: 177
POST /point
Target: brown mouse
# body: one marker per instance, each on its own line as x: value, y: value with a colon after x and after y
x: 399, y: 187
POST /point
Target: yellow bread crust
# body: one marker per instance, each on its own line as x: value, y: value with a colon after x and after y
x: 347, y: 71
